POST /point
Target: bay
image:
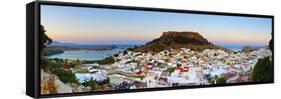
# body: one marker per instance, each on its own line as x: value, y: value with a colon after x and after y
x: 90, y: 54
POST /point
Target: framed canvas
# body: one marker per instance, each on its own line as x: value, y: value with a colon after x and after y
x: 87, y: 49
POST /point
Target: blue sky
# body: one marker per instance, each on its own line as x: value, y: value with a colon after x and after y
x: 115, y: 26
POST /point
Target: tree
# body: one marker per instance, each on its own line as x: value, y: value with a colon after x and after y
x: 130, y: 49
x: 44, y: 39
x: 77, y: 61
x: 178, y: 65
x: 72, y: 64
x: 271, y: 45
x: 263, y: 70
x: 56, y: 60
x: 116, y: 55
x: 65, y: 61
x: 125, y: 52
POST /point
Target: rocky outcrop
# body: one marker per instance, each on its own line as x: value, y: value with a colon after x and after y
x: 50, y: 84
x: 173, y: 39
x: 247, y: 49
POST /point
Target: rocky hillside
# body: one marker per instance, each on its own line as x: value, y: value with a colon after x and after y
x: 50, y: 84
x: 173, y: 39
x: 247, y: 49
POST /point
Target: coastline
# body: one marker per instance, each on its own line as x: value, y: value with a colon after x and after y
x: 78, y: 53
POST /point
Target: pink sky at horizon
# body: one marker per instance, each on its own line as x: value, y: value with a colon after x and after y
x: 97, y: 25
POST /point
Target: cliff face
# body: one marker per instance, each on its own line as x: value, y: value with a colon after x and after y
x: 173, y: 39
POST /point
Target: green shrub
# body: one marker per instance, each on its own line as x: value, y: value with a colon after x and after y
x: 57, y: 69
x: 136, y: 76
x: 72, y: 65
x: 65, y: 76
x: 171, y: 69
x: 91, y: 83
x: 218, y: 80
x: 263, y: 70
x: 82, y: 71
x: 221, y: 80
x: 108, y: 60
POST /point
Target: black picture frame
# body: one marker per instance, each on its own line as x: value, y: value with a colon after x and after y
x: 33, y: 53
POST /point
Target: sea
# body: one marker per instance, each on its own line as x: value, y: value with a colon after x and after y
x: 239, y: 48
x: 90, y: 54
x: 98, y: 55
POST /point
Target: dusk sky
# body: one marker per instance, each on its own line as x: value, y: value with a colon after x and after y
x: 113, y: 26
